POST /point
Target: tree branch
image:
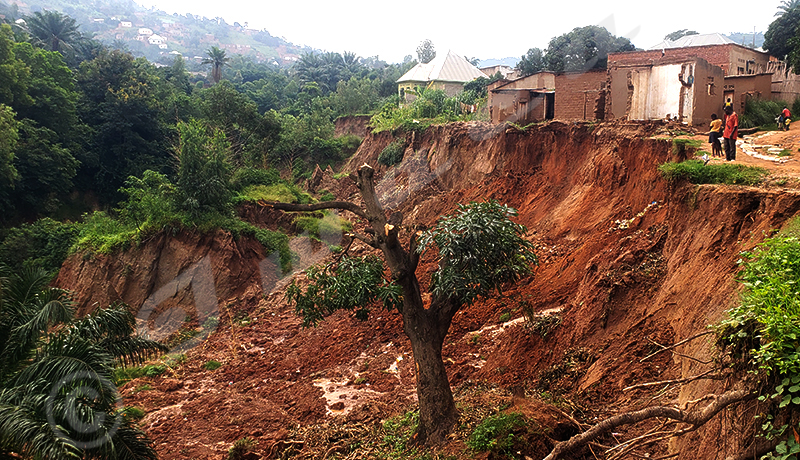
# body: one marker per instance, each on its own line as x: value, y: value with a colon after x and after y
x: 695, y: 418
x: 684, y: 380
x: 293, y: 207
x: 371, y: 242
x: 665, y: 348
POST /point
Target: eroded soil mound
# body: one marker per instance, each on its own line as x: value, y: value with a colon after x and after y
x: 626, y: 262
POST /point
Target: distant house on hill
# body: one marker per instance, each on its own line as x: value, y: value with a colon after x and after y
x: 507, y: 72
x: 448, y: 72
x: 126, y: 24
x: 144, y: 31
x: 156, y: 39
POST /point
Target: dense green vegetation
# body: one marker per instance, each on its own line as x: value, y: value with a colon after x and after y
x: 762, y: 113
x: 696, y: 172
x: 57, y: 398
x: 761, y: 334
x: 120, y: 149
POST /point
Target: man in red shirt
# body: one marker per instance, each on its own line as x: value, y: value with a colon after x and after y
x: 731, y: 133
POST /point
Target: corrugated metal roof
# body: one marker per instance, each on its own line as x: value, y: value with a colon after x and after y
x: 445, y: 67
x: 694, y: 40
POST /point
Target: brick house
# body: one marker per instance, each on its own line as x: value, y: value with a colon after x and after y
x: 716, y: 49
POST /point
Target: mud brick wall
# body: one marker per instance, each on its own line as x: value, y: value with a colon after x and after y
x: 577, y: 94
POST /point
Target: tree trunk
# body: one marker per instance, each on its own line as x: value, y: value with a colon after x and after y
x: 437, y: 409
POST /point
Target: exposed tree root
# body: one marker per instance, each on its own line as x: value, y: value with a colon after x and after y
x: 695, y: 418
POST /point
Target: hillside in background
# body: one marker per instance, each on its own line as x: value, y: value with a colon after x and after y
x: 118, y: 23
x: 748, y: 39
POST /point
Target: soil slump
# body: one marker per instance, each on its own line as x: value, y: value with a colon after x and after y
x: 626, y: 260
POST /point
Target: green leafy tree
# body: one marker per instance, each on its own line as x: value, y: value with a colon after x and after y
x: 56, y: 396
x: 217, y: 58
x: 123, y: 103
x: 479, y: 249
x: 782, y: 36
x: 425, y: 51
x: 14, y: 74
x: 51, y: 88
x: 203, y: 171
x: 583, y: 48
x: 532, y: 62
x: 250, y: 134
x: 679, y: 34
x: 46, y: 170
x: 9, y: 134
x: 355, y: 96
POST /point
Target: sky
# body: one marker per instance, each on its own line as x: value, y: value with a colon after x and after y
x: 484, y: 30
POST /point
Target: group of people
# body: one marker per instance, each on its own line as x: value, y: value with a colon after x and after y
x: 727, y: 129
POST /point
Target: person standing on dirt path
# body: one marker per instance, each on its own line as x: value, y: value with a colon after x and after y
x: 714, y: 135
x: 731, y: 133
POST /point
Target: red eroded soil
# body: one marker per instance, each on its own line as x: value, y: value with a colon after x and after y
x: 626, y: 260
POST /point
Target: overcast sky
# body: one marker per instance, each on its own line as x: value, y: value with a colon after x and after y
x: 483, y: 29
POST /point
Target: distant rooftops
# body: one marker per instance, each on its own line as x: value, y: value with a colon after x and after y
x: 694, y: 40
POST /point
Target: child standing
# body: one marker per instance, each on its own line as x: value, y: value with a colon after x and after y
x: 714, y: 135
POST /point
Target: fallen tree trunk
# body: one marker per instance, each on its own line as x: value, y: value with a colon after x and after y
x: 695, y: 418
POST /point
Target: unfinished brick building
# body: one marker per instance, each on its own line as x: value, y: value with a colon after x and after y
x: 547, y: 95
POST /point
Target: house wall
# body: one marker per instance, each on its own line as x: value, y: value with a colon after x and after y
x: 785, y: 83
x: 742, y: 87
x: 577, y: 94
x: 690, y: 91
x: 520, y: 106
x: 536, y: 81
x: 730, y: 57
x: 708, y: 92
x: 450, y: 88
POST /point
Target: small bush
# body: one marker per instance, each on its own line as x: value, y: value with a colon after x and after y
x: 212, y: 365
x: 496, y: 433
x: 240, y: 448
x: 392, y: 154
x: 245, y: 177
x: 695, y: 172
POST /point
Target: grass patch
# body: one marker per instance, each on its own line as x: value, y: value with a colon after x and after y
x: 240, y: 448
x: 496, y: 434
x: 123, y: 375
x: 281, y: 192
x: 695, y: 172
x: 135, y: 413
x: 392, y: 154
x: 212, y: 365
x: 328, y: 228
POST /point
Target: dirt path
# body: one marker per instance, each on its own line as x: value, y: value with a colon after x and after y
x: 762, y: 149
